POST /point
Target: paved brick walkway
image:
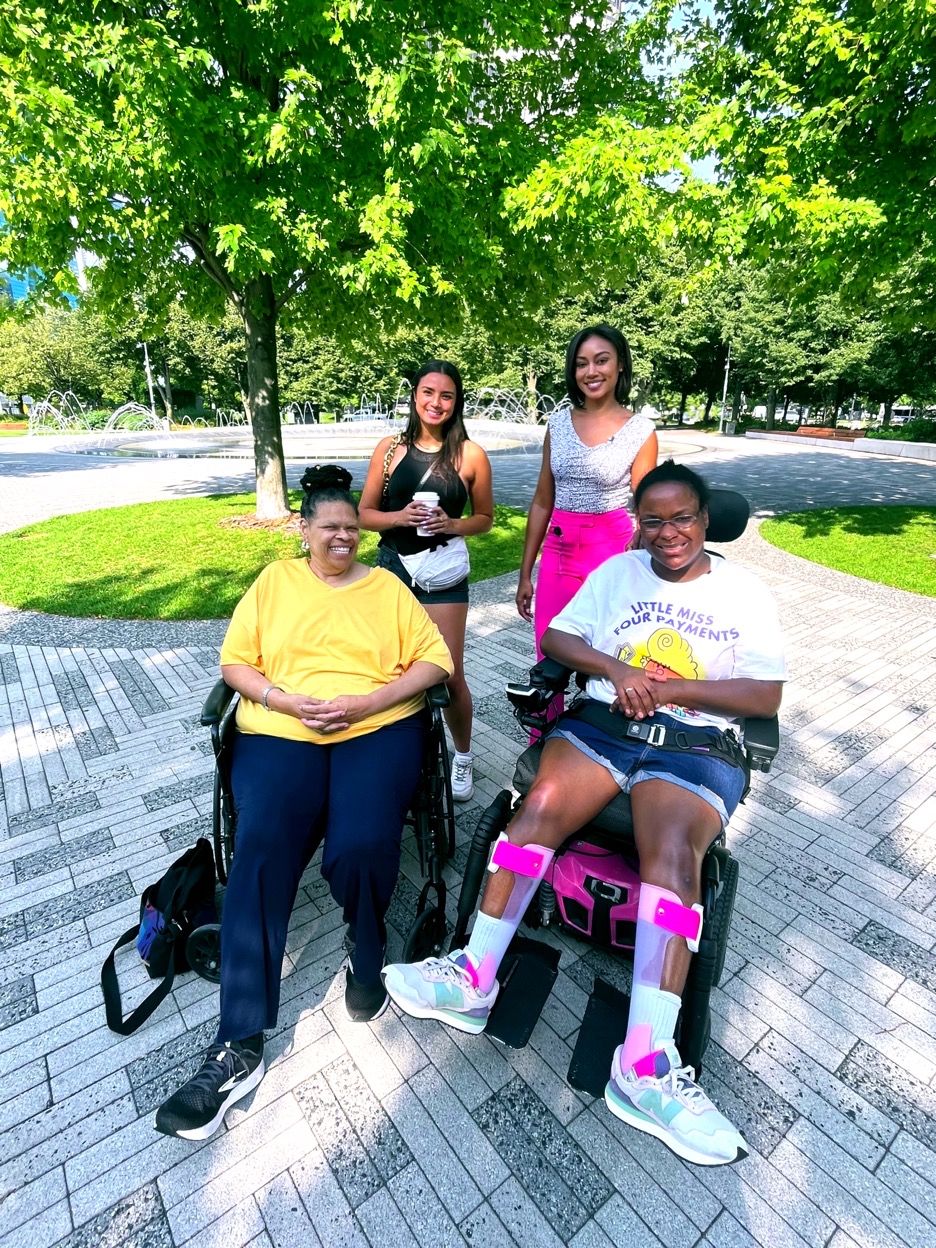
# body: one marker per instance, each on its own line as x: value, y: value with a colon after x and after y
x: 403, y: 1133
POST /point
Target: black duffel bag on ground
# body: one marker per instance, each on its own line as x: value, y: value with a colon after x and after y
x: 169, y: 909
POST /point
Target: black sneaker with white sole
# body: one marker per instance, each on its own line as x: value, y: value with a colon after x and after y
x: 364, y: 1002
x: 230, y: 1071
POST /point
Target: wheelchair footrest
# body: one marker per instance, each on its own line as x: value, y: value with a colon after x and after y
x: 527, y: 974
x: 602, y: 1030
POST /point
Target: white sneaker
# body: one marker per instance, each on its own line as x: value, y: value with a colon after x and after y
x: 462, y: 778
x: 443, y: 988
x: 669, y: 1104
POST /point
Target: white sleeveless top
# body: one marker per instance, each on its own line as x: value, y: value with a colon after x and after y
x: 594, y: 479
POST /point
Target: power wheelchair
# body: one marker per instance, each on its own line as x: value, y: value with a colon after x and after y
x: 431, y: 817
x: 592, y: 886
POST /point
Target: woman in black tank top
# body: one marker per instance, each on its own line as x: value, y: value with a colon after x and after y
x: 434, y: 453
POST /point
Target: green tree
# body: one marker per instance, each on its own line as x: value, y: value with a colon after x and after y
x: 346, y: 165
x: 822, y: 117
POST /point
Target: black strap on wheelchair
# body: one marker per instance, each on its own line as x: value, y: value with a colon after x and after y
x: 723, y: 745
x: 113, y: 1008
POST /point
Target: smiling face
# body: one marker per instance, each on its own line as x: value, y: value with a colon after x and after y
x: 332, y: 536
x: 596, y: 369
x: 672, y: 529
x: 434, y: 398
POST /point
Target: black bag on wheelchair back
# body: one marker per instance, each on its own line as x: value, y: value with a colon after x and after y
x: 169, y: 909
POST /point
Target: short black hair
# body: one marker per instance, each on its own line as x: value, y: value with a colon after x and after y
x: 325, y: 483
x: 622, y: 349
x: 668, y: 471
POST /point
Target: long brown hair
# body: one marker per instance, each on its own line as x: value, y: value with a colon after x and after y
x: 448, y: 460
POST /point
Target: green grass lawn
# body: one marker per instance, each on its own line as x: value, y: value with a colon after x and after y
x: 891, y: 545
x: 177, y: 560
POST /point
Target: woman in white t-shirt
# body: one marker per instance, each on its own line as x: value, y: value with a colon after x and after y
x: 679, y: 646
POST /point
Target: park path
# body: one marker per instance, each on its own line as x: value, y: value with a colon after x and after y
x: 403, y: 1133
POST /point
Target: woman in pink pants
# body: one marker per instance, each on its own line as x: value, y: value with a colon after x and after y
x: 593, y: 458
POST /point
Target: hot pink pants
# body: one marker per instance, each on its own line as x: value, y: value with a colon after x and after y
x: 576, y: 543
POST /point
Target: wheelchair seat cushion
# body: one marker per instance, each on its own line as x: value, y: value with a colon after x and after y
x: 615, y: 819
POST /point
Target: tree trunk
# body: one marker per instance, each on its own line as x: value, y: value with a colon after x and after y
x: 888, y: 409
x: 786, y: 408
x: 736, y: 400
x: 771, y: 407
x: 709, y: 400
x: 683, y: 395
x: 259, y: 312
x: 164, y: 386
x: 532, y: 395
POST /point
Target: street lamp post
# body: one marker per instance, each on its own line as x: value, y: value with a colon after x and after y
x: 149, y: 378
x: 724, y: 396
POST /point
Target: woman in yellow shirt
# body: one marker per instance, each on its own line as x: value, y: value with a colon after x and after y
x: 331, y: 659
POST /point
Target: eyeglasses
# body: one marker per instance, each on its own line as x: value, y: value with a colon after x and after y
x: 650, y: 524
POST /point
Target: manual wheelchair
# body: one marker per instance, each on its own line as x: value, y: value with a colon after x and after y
x: 431, y: 818
x: 591, y: 888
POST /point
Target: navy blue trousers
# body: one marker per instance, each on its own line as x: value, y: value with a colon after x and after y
x: 288, y: 796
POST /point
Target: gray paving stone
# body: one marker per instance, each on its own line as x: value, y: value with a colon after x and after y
x: 30, y: 866
x: 330, y: 1214
x: 903, y: 955
x: 909, y: 1103
x: 284, y: 1215
x: 559, y: 1178
x: 17, y: 1001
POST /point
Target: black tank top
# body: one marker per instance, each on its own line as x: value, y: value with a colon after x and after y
x: 404, y: 483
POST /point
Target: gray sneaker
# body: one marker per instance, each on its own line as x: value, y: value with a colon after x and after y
x: 661, y: 1097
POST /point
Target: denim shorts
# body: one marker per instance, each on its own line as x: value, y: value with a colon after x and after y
x: 388, y: 558
x: 713, y: 779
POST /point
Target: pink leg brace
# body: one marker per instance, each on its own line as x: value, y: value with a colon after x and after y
x: 661, y: 917
x: 490, y: 936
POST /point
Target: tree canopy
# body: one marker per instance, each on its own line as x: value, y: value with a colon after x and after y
x: 346, y: 163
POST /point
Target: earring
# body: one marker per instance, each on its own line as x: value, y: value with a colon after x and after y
x: 304, y: 547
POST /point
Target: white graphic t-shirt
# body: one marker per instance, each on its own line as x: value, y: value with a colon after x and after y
x: 718, y: 626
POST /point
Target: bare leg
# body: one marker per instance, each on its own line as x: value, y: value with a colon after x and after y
x: 569, y: 790
x: 451, y: 618
x: 673, y: 828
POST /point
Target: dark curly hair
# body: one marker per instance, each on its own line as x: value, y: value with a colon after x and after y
x: 325, y: 483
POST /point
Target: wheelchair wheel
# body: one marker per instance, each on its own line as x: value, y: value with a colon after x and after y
x: 719, y: 921
x: 203, y: 951
x: 426, y: 936
x: 222, y: 829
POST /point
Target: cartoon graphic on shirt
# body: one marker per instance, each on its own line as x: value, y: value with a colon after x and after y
x: 665, y: 653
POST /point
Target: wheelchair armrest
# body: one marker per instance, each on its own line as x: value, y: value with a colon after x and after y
x: 438, y: 696
x: 550, y: 674
x: 531, y: 699
x: 761, y: 742
x: 217, y: 702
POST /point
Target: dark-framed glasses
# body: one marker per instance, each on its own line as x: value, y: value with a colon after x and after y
x: 651, y: 524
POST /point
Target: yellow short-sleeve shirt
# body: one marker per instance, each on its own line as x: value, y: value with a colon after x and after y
x: 324, y: 641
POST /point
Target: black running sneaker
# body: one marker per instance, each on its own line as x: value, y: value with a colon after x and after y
x: 229, y: 1072
x: 364, y: 1002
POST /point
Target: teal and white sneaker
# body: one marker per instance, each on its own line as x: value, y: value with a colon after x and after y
x: 661, y: 1097
x: 443, y: 988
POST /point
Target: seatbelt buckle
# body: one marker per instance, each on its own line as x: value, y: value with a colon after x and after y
x: 652, y: 734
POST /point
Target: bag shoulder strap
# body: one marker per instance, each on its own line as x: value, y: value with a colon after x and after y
x: 113, y: 1007
x: 395, y: 441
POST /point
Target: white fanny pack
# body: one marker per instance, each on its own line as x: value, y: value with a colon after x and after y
x: 440, y: 568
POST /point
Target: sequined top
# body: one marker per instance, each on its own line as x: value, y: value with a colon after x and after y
x: 594, y: 479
